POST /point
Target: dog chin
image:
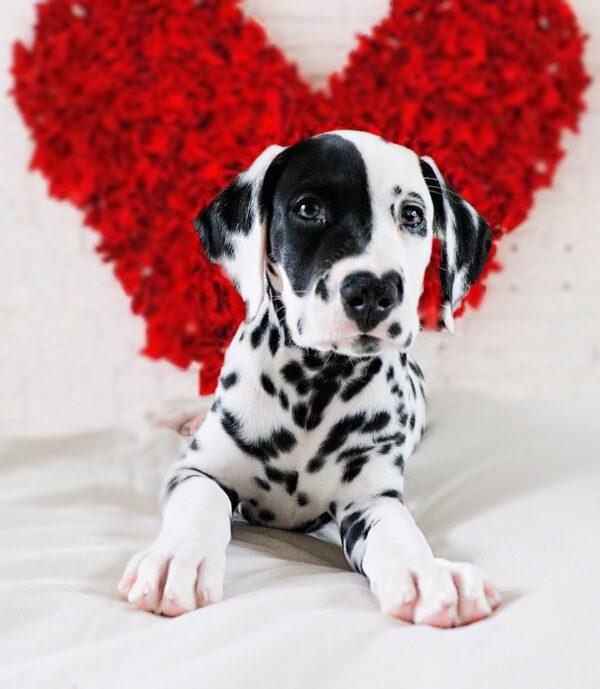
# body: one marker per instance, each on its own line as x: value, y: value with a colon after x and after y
x: 357, y: 346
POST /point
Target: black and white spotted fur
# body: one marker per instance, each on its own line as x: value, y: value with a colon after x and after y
x: 319, y: 403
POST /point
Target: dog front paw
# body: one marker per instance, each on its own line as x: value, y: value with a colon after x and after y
x: 171, y: 578
x: 444, y: 594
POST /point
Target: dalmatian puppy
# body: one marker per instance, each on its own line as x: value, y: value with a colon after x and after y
x: 319, y: 403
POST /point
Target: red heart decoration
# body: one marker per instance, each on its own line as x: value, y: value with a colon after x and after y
x: 141, y: 109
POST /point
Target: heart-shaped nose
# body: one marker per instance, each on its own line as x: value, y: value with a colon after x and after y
x: 368, y: 300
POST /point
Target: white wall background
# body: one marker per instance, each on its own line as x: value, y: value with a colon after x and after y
x: 69, y: 344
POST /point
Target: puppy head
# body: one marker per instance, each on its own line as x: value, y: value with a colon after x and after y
x: 343, y: 222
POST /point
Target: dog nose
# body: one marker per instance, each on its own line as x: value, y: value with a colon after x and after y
x: 368, y: 299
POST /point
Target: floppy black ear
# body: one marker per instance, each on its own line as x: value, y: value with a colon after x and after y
x: 465, y: 238
x: 234, y: 235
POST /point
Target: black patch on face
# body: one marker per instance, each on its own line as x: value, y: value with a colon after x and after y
x: 412, y: 422
x: 409, y: 340
x: 261, y: 483
x: 283, y: 400
x: 274, y: 339
x: 390, y: 374
x: 259, y: 332
x: 321, y: 289
x: 399, y: 462
x: 267, y: 384
x: 395, y: 329
x: 377, y: 422
x: 359, y: 383
x: 396, y: 191
x: 331, y: 170
x: 300, y: 326
x: 229, y: 380
x: 333, y: 509
x: 194, y: 445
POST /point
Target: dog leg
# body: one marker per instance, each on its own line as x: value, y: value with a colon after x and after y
x: 184, y: 568
x: 381, y: 540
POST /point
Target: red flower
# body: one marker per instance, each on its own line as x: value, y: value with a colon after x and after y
x: 141, y: 109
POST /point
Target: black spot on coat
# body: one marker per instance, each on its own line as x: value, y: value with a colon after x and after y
x: 259, y: 332
x: 229, y: 380
x: 274, y: 339
x: 262, y: 483
x: 267, y: 384
x: 377, y: 422
x: 288, y: 478
x: 358, y: 384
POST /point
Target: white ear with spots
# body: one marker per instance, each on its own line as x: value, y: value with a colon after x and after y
x: 233, y: 234
x: 465, y: 238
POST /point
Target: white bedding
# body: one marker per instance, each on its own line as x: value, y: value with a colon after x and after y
x: 511, y: 486
x: 514, y: 488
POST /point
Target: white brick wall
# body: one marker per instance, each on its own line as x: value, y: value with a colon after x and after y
x: 69, y: 343
x: 317, y: 34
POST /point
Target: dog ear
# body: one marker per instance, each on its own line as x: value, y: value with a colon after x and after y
x: 465, y: 238
x: 233, y: 233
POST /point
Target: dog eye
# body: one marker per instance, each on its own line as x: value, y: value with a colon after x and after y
x: 309, y: 209
x: 411, y: 216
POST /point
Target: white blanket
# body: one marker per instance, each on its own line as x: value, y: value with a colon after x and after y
x: 514, y: 488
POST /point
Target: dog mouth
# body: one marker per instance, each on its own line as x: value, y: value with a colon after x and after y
x: 366, y: 344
